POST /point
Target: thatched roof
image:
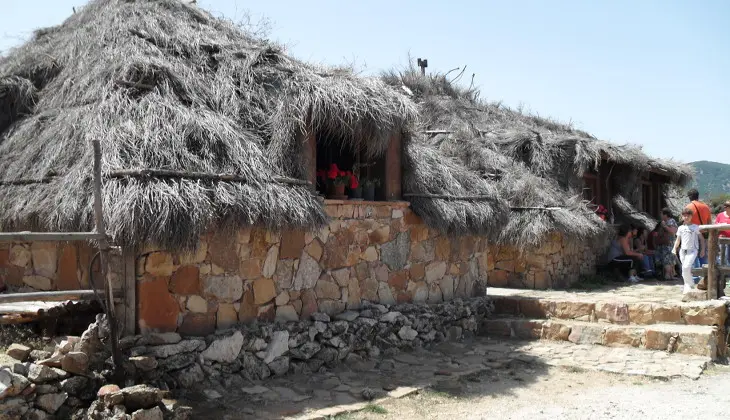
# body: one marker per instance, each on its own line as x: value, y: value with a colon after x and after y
x: 164, y: 85
x: 535, y: 163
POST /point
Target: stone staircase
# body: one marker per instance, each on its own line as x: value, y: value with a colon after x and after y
x: 691, y: 328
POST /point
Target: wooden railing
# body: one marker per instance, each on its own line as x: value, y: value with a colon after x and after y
x: 100, y: 237
x: 714, y: 272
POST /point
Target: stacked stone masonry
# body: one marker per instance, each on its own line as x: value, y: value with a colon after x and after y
x: 379, y: 252
x: 44, y: 266
x: 229, y: 358
x: 557, y: 264
x: 695, y: 328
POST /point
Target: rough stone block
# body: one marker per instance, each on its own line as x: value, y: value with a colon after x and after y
x: 498, y: 278
x: 38, y: 282
x: 18, y: 351
x: 272, y: 257
x: 447, y: 288
x: 586, y: 334
x: 197, y: 325
x: 616, y: 336
x: 418, y: 292
x: 223, y: 288
x: 666, y: 314
x: 527, y: 328
x: 264, y: 290
x: 286, y: 313
x: 186, y: 280
x: 641, y: 313
x: 227, y: 316
x: 573, y: 310
x: 19, y: 255
x: 435, y: 271
x: 534, y: 308
x: 613, y: 312
x: 395, y: 253
x: 45, y: 258
x: 251, y: 268
x: 506, y: 305
x: 398, y: 280
x: 657, y: 339
x: 385, y: 295
x: 159, y: 264
x: 556, y: 331
x: 701, y: 344
x: 497, y: 327
x: 705, y: 314
x: 326, y: 288
x: 307, y: 274
x: 222, y: 249
x: 158, y: 309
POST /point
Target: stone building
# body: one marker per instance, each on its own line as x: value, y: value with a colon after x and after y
x: 213, y: 145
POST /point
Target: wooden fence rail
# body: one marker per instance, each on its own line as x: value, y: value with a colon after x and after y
x: 99, y: 235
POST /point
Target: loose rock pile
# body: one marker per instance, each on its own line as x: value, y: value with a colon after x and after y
x: 67, y: 383
x: 256, y: 352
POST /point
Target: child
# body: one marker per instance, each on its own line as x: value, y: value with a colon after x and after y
x: 690, y: 240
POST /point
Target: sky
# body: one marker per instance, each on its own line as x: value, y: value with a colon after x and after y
x: 653, y: 72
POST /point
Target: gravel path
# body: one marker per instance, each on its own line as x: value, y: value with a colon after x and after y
x: 565, y: 394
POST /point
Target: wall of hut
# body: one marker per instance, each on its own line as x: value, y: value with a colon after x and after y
x: 557, y: 264
x: 377, y: 252
x: 47, y: 266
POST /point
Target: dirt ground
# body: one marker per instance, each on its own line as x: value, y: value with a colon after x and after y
x: 561, y: 393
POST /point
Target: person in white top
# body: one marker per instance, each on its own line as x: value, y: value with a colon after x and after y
x: 691, y: 245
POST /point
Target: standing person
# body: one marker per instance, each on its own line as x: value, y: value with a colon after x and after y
x: 692, y: 245
x: 701, y: 215
x: 724, y: 218
x: 664, y: 241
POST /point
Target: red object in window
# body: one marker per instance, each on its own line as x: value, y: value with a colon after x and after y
x: 353, y: 182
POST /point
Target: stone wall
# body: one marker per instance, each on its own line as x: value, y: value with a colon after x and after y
x: 40, y: 266
x: 376, y: 252
x: 73, y: 382
x: 556, y: 265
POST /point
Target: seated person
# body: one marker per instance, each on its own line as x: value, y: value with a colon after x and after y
x: 641, y: 246
x: 622, y: 257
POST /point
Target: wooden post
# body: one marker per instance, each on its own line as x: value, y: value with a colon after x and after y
x: 130, y: 291
x: 712, y: 281
x: 104, y: 257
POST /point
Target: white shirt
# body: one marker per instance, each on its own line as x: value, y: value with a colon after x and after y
x: 689, y: 237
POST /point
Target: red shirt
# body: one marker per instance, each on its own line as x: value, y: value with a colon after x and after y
x: 701, y: 214
x: 723, y: 218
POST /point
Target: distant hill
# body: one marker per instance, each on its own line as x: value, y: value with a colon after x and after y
x: 712, y: 178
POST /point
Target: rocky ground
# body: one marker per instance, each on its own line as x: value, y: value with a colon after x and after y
x: 467, y: 371
x: 561, y: 393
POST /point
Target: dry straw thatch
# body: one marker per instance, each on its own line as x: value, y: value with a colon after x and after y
x: 165, y: 85
x: 536, y: 164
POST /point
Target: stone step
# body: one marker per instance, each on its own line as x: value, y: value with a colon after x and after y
x: 708, y: 313
x: 699, y: 340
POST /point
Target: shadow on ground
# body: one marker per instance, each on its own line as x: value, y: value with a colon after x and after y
x: 450, y: 368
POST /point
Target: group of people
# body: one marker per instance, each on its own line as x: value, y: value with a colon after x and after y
x: 639, y: 254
